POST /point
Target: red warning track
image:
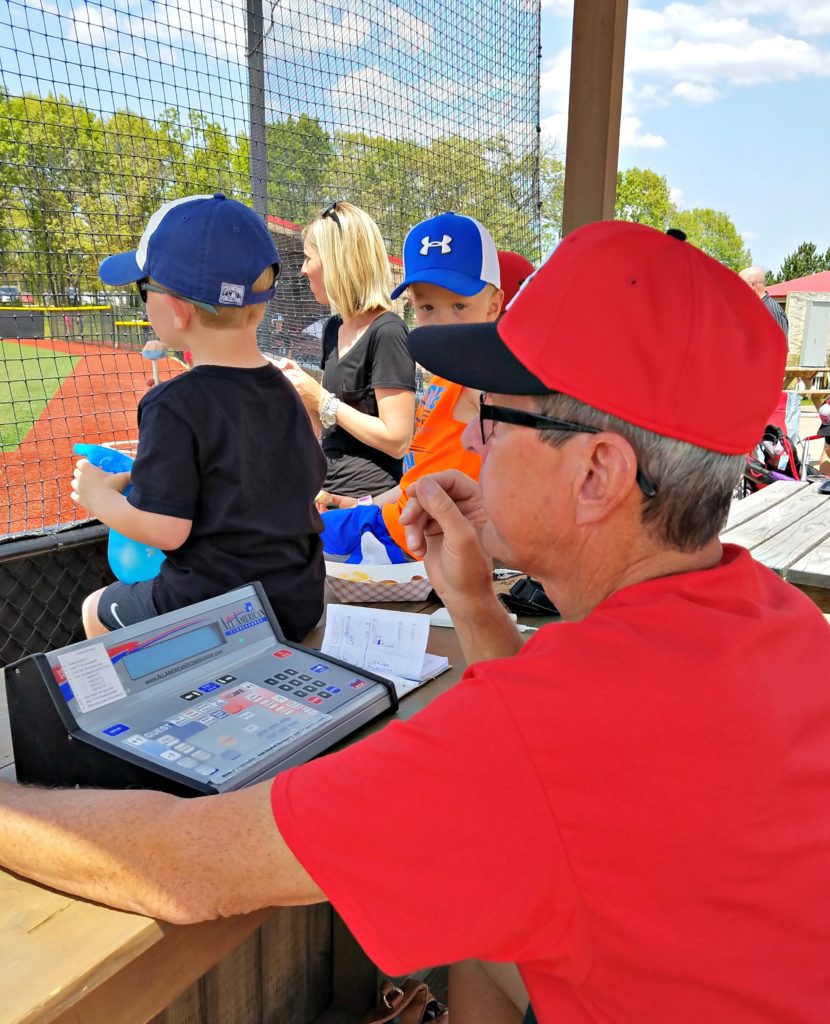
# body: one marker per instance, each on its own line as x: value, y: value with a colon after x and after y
x: 95, y: 403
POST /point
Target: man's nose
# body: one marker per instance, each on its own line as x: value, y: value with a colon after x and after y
x: 471, y: 435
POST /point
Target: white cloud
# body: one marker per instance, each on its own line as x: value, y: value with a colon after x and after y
x: 696, y: 92
x: 379, y: 104
x: 218, y: 28
x: 556, y: 127
x: 676, y: 196
x: 631, y: 134
x: 413, y: 33
x: 43, y: 5
x: 93, y: 25
x: 697, y: 52
x: 814, y: 20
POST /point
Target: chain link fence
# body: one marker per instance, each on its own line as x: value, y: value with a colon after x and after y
x: 108, y: 109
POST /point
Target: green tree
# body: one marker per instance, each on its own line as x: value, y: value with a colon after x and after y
x: 300, y: 156
x: 77, y: 186
x: 643, y: 197
x: 135, y: 172
x: 804, y: 261
x: 400, y: 181
x: 205, y: 158
x: 551, y: 193
x: 49, y: 169
x: 714, y: 233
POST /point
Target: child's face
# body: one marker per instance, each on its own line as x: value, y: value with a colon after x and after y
x: 312, y: 270
x: 436, y: 305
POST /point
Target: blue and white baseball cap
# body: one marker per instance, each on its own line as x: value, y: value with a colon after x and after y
x: 207, y: 248
x: 452, y: 251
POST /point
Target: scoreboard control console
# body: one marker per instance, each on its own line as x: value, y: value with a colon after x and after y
x: 206, y: 699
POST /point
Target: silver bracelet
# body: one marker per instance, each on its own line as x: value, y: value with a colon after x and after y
x: 329, y: 404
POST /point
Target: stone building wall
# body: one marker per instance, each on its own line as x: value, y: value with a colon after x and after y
x: 796, y: 310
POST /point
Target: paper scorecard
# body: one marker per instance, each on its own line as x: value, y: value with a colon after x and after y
x: 92, y: 677
x: 392, y: 644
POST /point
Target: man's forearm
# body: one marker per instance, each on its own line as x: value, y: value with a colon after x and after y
x: 58, y: 837
x: 134, y: 850
x: 484, y: 628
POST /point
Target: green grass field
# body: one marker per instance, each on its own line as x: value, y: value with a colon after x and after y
x: 29, y: 377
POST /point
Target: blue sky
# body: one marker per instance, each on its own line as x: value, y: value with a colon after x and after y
x: 728, y: 100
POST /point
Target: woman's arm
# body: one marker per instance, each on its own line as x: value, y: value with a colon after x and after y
x: 391, y: 430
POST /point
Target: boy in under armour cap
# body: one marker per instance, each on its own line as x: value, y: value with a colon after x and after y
x: 453, y: 275
x: 227, y: 464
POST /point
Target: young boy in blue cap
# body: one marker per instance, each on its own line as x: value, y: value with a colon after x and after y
x: 227, y: 465
x: 452, y: 271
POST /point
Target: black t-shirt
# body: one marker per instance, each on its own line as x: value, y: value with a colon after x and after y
x: 379, y: 359
x: 234, y: 451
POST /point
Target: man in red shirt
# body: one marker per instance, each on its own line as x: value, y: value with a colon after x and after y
x: 631, y: 808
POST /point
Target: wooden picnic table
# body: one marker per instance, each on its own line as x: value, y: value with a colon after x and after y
x: 816, y: 381
x: 787, y: 527
x: 66, y: 960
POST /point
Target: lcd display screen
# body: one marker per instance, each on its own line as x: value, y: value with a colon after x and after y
x: 165, y: 653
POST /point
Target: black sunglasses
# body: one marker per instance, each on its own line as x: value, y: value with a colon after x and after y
x: 520, y: 418
x: 331, y: 211
x: 145, y: 286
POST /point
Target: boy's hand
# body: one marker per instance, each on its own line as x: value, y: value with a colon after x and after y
x: 325, y: 501
x: 442, y: 520
x: 89, y: 483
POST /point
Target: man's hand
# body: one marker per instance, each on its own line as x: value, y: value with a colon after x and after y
x: 442, y: 520
x: 89, y: 484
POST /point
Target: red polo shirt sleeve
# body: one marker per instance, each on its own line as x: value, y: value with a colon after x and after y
x: 434, y: 839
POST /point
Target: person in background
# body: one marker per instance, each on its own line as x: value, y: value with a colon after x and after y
x: 515, y: 269
x: 227, y: 464
x: 455, y: 281
x: 364, y: 409
x: 755, y: 277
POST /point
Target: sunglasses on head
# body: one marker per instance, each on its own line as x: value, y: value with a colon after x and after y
x: 331, y: 211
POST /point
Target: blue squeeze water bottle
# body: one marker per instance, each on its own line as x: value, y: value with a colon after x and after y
x: 131, y: 561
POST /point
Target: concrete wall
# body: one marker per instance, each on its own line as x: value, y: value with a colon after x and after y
x: 796, y: 310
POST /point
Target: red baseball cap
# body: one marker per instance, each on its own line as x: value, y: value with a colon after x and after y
x: 515, y: 270
x: 637, y: 323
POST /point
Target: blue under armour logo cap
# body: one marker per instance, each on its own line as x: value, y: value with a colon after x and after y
x: 207, y: 248
x: 452, y: 251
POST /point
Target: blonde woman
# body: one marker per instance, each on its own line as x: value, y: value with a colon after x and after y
x: 365, y: 407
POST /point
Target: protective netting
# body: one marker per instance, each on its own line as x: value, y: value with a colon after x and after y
x: 109, y: 109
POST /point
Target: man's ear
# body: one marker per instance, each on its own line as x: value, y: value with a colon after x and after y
x: 495, y: 304
x: 610, y: 476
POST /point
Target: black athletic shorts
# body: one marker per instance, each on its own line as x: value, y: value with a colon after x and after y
x: 530, y: 1016
x: 122, y: 604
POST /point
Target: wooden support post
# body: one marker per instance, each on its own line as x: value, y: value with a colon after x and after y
x: 594, y: 111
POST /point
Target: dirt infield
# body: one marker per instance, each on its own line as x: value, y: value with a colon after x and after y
x: 95, y: 403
